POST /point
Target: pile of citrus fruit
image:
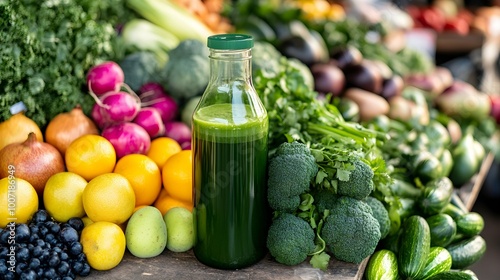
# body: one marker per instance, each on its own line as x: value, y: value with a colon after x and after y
x: 105, y: 192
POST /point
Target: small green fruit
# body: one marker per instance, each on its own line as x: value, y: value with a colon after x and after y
x: 146, y: 233
x: 180, y: 229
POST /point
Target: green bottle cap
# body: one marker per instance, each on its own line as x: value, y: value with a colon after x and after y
x: 230, y: 42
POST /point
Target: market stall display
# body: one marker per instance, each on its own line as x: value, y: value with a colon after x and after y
x: 375, y: 154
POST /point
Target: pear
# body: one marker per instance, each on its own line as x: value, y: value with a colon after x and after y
x: 146, y: 233
x: 180, y: 229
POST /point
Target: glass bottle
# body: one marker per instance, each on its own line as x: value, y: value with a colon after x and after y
x: 230, y: 130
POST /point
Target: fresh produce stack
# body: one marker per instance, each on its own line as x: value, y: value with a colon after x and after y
x: 378, y: 140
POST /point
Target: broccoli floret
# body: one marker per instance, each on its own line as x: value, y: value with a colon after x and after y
x: 187, y: 71
x: 381, y: 214
x: 291, y: 170
x: 265, y: 57
x: 139, y: 68
x: 350, y: 231
x: 324, y: 199
x: 360, y: 183
x: 290, y: 239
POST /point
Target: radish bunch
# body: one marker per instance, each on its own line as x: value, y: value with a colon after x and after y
x: 130, y: 121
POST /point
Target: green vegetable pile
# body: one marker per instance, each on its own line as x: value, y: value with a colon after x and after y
x: 47, y: 47
x: 321, y: 171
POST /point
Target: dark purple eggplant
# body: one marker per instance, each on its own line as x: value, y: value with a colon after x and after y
x: 328, y: 79
x: 346, y: 56
x: 392, y: 86
x: 364, y: 76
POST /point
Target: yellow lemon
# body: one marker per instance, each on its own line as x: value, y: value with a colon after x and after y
x: 144, y: 176
x: 104, y: 245
x: 62, y: 196
x: 162, y: 148
x: 87, y: 221
x: 19, y: 201
x: 90, y: 156
x: 109, y: 197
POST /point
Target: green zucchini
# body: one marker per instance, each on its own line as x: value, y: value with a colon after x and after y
x: 383, y: 265
x: 466, y: 252
x: 453, y: 275
x: 414, y: 246
x: 436, y: 195
x: 439, y: 260
x: 470, y: 224
x: 443, y: 229
x: 452, y: 210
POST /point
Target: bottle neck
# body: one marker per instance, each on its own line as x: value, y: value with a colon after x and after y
x: 231, y: 65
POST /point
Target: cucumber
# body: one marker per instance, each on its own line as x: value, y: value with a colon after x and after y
x: 436, y: 195
x: 466, y: 252
x: 457, y: 201
x: 414, y: 246
x: 453, y: 211
x: 439, y: 260
x: 404, y: 189
x: 470, y: 224
x: 407, y: 208
x: 443, y: 229
x: 453, y: 275
x: 383, y: 265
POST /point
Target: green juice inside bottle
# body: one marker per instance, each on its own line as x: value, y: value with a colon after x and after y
x: 230, y: 132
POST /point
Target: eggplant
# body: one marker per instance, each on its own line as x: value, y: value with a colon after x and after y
x: 392, y: 86
x: 328, y: 78
x: 347, y: 56
x: 364, y: 76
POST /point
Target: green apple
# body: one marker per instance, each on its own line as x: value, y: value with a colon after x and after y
x: 180, y: 229
x: 146, y: 233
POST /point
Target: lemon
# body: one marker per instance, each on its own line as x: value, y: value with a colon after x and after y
x: 18, y: 200
x: 109, y: 197
x: 87, y: 221
x: 62, y: 196
x: 103, y: 244
x: 90, y: 156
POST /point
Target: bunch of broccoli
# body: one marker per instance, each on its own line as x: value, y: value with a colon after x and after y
x: 345, y: 222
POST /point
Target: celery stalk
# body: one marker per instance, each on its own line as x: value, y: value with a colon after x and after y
x: 172, y: 18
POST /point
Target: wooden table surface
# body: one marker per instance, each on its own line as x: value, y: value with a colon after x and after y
x: 185, y: 266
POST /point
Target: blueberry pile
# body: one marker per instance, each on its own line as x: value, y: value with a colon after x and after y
x: 44, y: 249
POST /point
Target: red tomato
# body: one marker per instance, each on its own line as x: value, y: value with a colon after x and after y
x: 458, y: 25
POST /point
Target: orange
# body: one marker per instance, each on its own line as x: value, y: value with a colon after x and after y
x: 177, y: 176
x: 144, y: 176
x: 164, y: 202
x: 109, y: 197
x: 103, y: 244
x: 161, y: 149
x: 18, y: 200
x: 90, y: 156
x: 62, y: 196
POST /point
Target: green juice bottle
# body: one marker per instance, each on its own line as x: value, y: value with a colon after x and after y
x: 229, y: 144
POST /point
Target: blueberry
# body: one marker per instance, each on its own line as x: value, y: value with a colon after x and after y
x: 45, y: 256
x: 64, y: 256
x: 28, y: 275
x: 30, y: 247
x: 63, y: 268
x: 34, y: 228
x: 10, y: 275
x: 39, y: 272
x: 67, y: 278
x: 76, y: 223
x: 81, y: 257
x: 68, y: 235
x: 77, y: 267
x: 40, y: 242
x: 54, y: 261
x: 37, y: 251
x: 50, y: 273
x: 23, y: 254
x: 22, y: 233
x: 3, y: 252
x: 43, y: 231
x: 20, y: 267
x: 4, y: 237
x: 55, y: 228
x: 34, y: 263
x: 85, y: 270
x: 57, y: 249
x: 40, y: 216
x: 33, y: 238
x: 75, y: 248
x: 3, y: 267
x: 51, y: 239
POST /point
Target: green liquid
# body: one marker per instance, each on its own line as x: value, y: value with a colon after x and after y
x: 231, y: 215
